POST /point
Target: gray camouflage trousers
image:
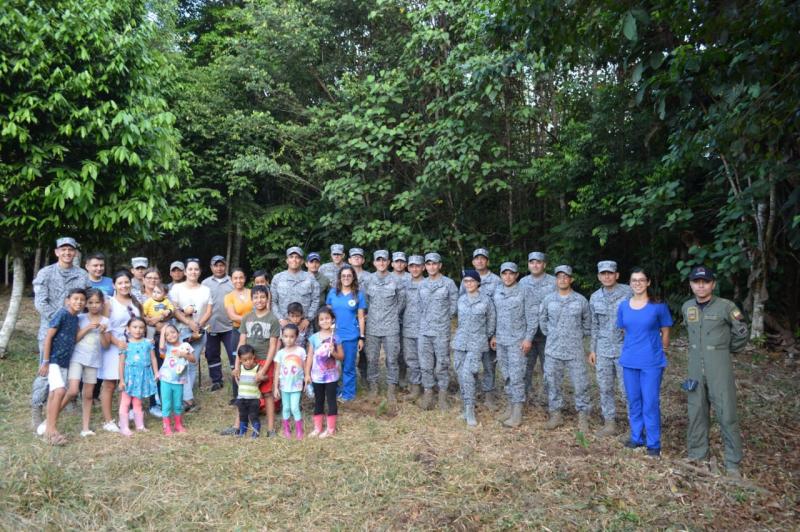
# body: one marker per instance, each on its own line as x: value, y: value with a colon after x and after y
x: 391, y: 346
x: 512, y: 368
x: 554, y: 376
x: 489, y: 360
x: 609, y: 371
x: 536, y: 354
x: 434, y: 361
x: 467, y: 365
x: 412, y: 360
x: 40, y: 387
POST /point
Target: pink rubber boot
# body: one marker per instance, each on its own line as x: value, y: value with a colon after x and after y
x: 298, y: 429
x: 179, y: 424
x: 287, y: 432
x: 317, y: 426
x: 331, y: 427
x: 167, y: 426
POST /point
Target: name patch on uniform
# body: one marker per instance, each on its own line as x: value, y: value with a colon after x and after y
x: 692, y: 314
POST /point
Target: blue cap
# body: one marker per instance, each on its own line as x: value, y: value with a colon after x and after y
x: 217, y: 258
x: 66, y: 241
x: 471, y: 274
x: 313, y: 256
x: 701, y: 272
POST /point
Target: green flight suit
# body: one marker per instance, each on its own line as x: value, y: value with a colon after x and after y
x: 714, y: 331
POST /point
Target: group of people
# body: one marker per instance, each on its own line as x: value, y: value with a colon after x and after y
x: 311, y: 329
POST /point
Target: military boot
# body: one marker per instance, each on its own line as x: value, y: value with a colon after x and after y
x: 608, y: 430
x: 426, y: 401
x: 516, y: 416
x: 443, y: 400
x: 469, y: 415
x: 583, y: 422
x: 505, y: 414
x: 416, y: 390
x: 555, y: 421
x: 391, y: 395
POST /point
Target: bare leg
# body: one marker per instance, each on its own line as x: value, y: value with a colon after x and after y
x: 53, y: 408
x: 270, y: 407
x: 106, y: 396
x: 88, y: 393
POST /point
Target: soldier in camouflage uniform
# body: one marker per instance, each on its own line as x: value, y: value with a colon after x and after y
x: 716, y: 327
x: 565, y: 319
x: 50, y: 289
x: 489, y: 283
x: 356, y: 260
x: 295, y: 285
x: 410, y: 324
x: 476, y: 325
x: 517, y: 322
x: 399, y: 265
x: 313, y: 267
x: 606, y: 343
x: 385, y: 300
x: 331, y: 269
x: 438, y: 298
x: 541, y: 283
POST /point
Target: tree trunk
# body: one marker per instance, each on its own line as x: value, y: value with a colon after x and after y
x: 37, y: 261
x: 16, y: 299
x: 229, y: 232
x: 237, y: 246
x: 6, y: 283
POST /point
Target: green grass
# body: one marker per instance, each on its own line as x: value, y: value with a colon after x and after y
x: 410, y: 470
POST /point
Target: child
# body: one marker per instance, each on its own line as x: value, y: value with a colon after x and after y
x: 261, y: 278
x: 93, y: 337
x: 57, y: 351
x: 289, y: 379
x: 249, y: 395
x: 260, y: 328
x: 137, y: 374
x: 158, y: 309
x: 173, y: 376
x: 323, y: 369
x: 295, y: 314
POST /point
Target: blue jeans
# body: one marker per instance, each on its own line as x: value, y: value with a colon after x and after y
x: 348, y: 388
x: 643, y: 388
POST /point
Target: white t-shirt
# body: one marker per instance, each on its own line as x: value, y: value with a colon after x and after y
x: 198, y: 297
x: 89, y: 351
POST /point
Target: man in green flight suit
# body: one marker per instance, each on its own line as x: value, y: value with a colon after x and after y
x: 716, y: 328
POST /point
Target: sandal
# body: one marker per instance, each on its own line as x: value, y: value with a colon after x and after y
x: 56, y: 440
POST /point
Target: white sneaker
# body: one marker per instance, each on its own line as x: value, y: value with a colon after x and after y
x: 155, y: 411
x: 41, y: 428
x: 86, y: 433
x: 110, y: 426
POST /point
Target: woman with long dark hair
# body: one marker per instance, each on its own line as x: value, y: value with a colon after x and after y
x: 348, y: 306
x: 646, y: 322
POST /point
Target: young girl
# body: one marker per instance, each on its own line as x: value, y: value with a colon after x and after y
x: 137, y: 374
x: 289, y: 379
x: 322, y: 368
x: 93, y: 337
x: 172, y: 376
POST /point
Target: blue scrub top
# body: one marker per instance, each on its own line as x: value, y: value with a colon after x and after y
x: 345, y: 308
x: 642, y: 345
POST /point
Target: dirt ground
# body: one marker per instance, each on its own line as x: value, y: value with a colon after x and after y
x: 400, y: 469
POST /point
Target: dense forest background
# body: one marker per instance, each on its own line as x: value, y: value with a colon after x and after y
x: 661, y: 134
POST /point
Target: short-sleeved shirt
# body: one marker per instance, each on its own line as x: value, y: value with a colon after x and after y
x: 642, y: 347
x: 89, y: 351
x: 199, y: 297
x: 259, y: 329
x: 290, y: 368
x: 241, y: 305
x: 324, y: 368
x: 66, y: 325
x: 173, y: 370
x: 345, y: 307
x: 153, y: 308
x: 105, y: 285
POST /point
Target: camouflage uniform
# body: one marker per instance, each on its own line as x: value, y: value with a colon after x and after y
x: 565, y: 320
x: 300, y: 287
x: 385, y: 300
x: 438, y: 304
x: 476, y: 325
x: 410, y: 324
x: 541, y: 286
x: 489, y: 284
x: 715, y: 330
x: 50, y: 288
x: 606, y: 343
x: 330, y: 269
x: 517, y: 321
x: 324, y: 285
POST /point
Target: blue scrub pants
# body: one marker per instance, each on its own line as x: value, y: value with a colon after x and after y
x: 348, y: 388
x: 643, y: 388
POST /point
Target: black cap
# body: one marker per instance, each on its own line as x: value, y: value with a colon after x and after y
x: 701, y: 272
